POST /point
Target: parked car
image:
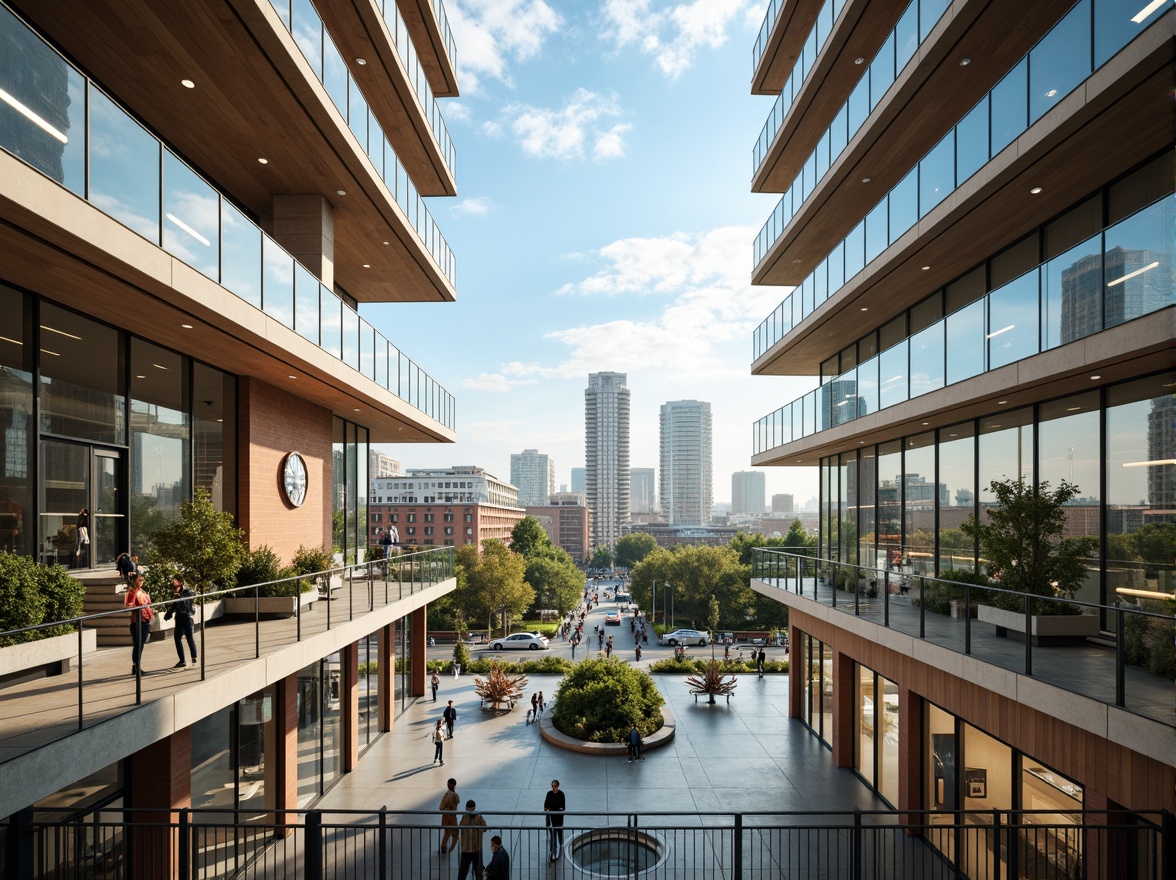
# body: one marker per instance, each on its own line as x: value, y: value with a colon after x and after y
x: 613, y: 618
x: 520, y: 642
x: 684, y: 637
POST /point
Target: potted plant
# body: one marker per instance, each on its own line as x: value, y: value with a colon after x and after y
x: 500, y: 689
x: 1021, y: 539
x: 713, y: 683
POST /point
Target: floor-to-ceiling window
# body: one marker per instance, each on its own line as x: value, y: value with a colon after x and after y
x: 920, y: 496
x: 889, y: 495
x: 17, y: 461
x: 348, y: 465
x: 160, y: 439
x: 957, y: 478
x: 876, y: 745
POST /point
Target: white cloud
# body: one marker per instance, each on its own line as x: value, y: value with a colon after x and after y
x: 713, y: 306
x: 672, y: 35
x: 477, y: 206
x: 491, y: 33
x: 457, y: 111
x: 566, y: 132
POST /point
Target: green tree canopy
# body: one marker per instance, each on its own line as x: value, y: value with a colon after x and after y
x: 490, y: 582
x: 556, y: 580
x: 798, y: 536
x: 692, y: 575
x: 1156, y: 545
x: 1021, y: 539
x: 528, y: 537
x: 203, y: 544
x: 602, y: 557
x: 634, y: 547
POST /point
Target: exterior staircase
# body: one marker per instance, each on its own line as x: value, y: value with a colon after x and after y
x: 104, y: 592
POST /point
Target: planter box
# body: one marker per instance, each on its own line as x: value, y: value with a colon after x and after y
x: 1047, y: 629
x: 54, y: 655
x: 270, y: 607
x: 204, y: 613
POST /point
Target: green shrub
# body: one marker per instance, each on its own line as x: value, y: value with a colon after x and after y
x: 1148, y: 641
x: 64, y: 598
x: 157, y: 580
x: 550, y: 665
x: 21, y: 602
x: 311, y: 560
x: 599, y: 700
x: 203, y: 543
x: 461, y: 654
x: 260, y: 566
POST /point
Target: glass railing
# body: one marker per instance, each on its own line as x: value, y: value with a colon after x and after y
x: 1052, y: 69
x: 62, y: 124
x: 975, y: 619
x: 1120, y: 274
x: 304, y: 24
x: 914, y: 26
x: 813, y: 44
x: 395, y: 24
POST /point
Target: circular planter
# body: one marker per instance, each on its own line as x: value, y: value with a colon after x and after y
x: 663, y: 735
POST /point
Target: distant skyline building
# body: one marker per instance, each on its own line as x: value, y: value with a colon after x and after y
x: 642, y: 490
x: 783, y: 503
x: 749, y: 492
x: 606, y: 455
x: 687, y: 480
x: 533, y: 473
x: 579, y: 480
x: 382, y: 465
x: 566, y: 519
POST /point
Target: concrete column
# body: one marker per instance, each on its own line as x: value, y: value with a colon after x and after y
x: 417, y: 652
x: 910, y: 755
x: 305, y: 226
x: 349, y: 708
x: 844, y: 702
x: 797, y: 673
x: 386, y: 677
x: 160, y: 782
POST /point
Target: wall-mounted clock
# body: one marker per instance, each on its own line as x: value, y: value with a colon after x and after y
x: 294, y: 479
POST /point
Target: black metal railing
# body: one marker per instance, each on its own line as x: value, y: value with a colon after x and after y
x: 962, y: 617
x: 857, y: 845
x: 348, y: 592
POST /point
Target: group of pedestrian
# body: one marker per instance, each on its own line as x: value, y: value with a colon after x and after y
x: 468, y: 832
x: 538, y: 704
x: 442, y: 731
x: 182, y: 606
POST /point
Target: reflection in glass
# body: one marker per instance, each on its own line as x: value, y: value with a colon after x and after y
x: 1071, y: 295
x: 920, y: 494
x: 971, y: 140
x: 332, y: 719
x: 877, y: 231
x: 1006, y: 451
x: 213, y: 779
x: 350, y: 338
x: 888, y: 736
x: 240, y: 255
x: 827, y: 692
x: 191, y: 217
x: 892, y: 375
x: 937, y: 174
x: 278, y: 296
x: 306, y: 303
x: 940, y: 775
x: 214, y: 435
x: 1140, y: 256
x: 927, y: 368
x: 82, y: 390
x: 1010, y: 111
x: 331, y: 322
x: 965, y: 343
x: 986, y: 785
x: 867, y: 491
x: 16, y: 434
x: 1012, y: 321
x: 904, y: 204
x: 310, y: 724
x: 1055, y: 67
x: 124, y: 167
x: 866, y: 718
x: 957, y: 477
x: 257, y: 766
x: 890, y: 503
x: 160, y: 451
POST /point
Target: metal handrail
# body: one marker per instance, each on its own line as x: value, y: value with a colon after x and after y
x: 441, y: 559
x: 761, y: 568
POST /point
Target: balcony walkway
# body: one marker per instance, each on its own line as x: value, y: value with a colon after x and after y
x: 1087, y: 669
x: 37, y: 712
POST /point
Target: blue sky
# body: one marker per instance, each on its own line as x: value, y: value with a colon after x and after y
x: 603, y: 222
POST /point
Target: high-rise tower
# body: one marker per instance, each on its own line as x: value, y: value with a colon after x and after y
x: 533, y: 473
x: 606, y: 455
x: 687, y: 492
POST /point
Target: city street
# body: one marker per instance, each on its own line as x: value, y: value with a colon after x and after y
x: 623, y: 644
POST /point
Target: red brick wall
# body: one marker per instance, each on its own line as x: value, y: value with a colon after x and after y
x: 274, y: 422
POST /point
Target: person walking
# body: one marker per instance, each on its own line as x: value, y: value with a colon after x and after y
x: 472, y: 826
x: 450, y: 801
x: 449, y: 716
x: 542, y: 703
x: 637, y: 651
x: 438, y: 737
x: 139, y: 602
x: 760, y: 658
x: 82, y: 539
x: 434, y: 683
x: 554, y: 805
x: 499, y: 867
x: 534, y: 707
x: 126, y: 567
x: 184, y: 609
x: 635, y: 745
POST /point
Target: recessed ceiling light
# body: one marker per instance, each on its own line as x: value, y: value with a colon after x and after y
x: 1073, y: 408
x: 385, y: 242
x: 865, y: 308
x: 187, y: 83
x: 341, y: 192
x: 356, y: 409
x: 866, y: 179
x: 1035, y: 190
x: 799, y: 460
x: 1096, y: 377
x: 186, y: 326
x: 140, y: 376
x: 953, y: 435
x: 859, y: 60
x: 292, y: 377
x: 996, y: 426
x: 263, y: 160
x: 926, y: 423
x: 367, y: 265
x: 926, y: 268
x: 1051, y: 93
x: 964, y: 62
x: 361, y: 61
x: 1002, y: 402
x: 159, y: 366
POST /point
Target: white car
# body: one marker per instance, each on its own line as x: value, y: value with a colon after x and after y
x: 684, y: 637
x: 520, y: 642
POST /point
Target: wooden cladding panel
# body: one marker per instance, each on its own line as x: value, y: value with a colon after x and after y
x: 1127, y: 777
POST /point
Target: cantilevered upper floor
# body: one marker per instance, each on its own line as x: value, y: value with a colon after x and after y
x: 261, y: 100
x: 1020, y: 157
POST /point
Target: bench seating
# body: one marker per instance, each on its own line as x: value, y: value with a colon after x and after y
x: 698, y: 694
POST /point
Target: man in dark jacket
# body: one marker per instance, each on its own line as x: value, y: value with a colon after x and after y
x: 554, y: 805
x: 184, y: 609
x: 499, y: 867
x: 449, y: 716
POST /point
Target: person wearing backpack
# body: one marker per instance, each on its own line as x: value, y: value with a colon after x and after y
x: 139, y: 602
x: 184, y: 608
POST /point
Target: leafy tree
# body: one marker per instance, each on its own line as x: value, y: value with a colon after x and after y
x: 203, y: 544
x: 1121, y: 549
x: 21, y: 602
x: 745, y: 544
x: 599, y: 699
x: 798, y: 536
x: 492, y: 581
x: 602, y: 557
x: 634, y: 547
x: 528, y: 537
x: 1021, y: 538
x: 1156, y: 544
x: 557, y: 583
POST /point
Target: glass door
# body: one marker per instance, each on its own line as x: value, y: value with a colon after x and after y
x: 83, y: 520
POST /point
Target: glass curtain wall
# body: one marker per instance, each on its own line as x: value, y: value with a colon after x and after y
x: 16, y: 429
x: 867, y: 484
x: 817, y: 661
x: 877, y: 740
x: 921, y: 494
x: 957, y: 483
x: 349, y: 485
x: 889, y: 496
